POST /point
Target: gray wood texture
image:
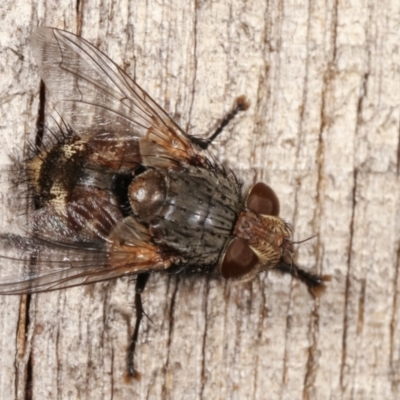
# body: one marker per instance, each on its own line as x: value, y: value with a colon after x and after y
x: 323, y: 78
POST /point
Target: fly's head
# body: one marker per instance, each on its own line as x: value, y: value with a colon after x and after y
x: 266, y: 235
x: 262, y: 239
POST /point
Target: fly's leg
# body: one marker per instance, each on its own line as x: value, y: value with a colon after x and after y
x: 141, y: 281
x: 241, y: 104
x: 315, y: 283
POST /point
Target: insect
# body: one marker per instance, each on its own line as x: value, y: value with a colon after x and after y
x: 121, y: 190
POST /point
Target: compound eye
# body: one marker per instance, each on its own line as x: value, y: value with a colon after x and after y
x: 239, y: 260
x: 263, y: 200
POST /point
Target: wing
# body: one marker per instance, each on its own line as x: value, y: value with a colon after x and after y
x: 46, y: 264
x: 94, y: 96
x: 86, y: 239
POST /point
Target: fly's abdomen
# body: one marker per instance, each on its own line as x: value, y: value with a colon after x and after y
x: 190, y: 212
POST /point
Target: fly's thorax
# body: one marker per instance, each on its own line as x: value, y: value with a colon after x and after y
x: 189, y: 213
x: 265, y: 235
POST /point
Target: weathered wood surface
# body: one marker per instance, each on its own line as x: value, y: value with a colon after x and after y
x: 323, y: 79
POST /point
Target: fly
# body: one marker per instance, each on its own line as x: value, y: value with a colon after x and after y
x: 122, y: 190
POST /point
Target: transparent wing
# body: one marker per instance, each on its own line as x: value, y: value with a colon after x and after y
x: 100, y: 103
x: 43, y: 264
x: 39, y: 269
x: 94, y: 95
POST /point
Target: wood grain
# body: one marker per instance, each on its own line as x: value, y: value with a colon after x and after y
x: 323, y: 79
